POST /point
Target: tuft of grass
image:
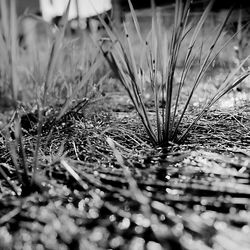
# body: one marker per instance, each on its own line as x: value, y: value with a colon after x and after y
x: 44, y: 74
x: 27, y: 173
x: 51, y: 66
x: 159, y: 56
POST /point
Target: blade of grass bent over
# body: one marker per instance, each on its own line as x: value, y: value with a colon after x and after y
x: 135, y: 191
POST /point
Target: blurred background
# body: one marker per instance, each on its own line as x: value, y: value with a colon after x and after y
x: 29, y: 29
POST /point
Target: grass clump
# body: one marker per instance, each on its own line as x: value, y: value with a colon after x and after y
x: 28, y: 172
x: 63, y: 77
x: 158, y: 56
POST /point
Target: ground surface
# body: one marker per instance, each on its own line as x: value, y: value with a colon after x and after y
x: 196, y: 197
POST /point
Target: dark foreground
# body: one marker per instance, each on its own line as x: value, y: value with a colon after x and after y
x: 196, y: 197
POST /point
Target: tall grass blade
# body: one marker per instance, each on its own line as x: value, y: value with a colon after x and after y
x: 189, y: 60
x: 5, y: 20
x: 154, y: 67
x: 4, y: 52
x: 4, y: 33
x: 181, y: 15
x: 53, y: 60
x: 9, y: 46
x: 54, y: 54
x: 14, y: 48
x: 135, y: 20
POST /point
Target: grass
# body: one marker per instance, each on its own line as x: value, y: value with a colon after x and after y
x: 69, y: 79
x: 27, y: 175
x: 86, y: 176
x: 64, y: 75
x: 58, y: 77
x: 159, y: 55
